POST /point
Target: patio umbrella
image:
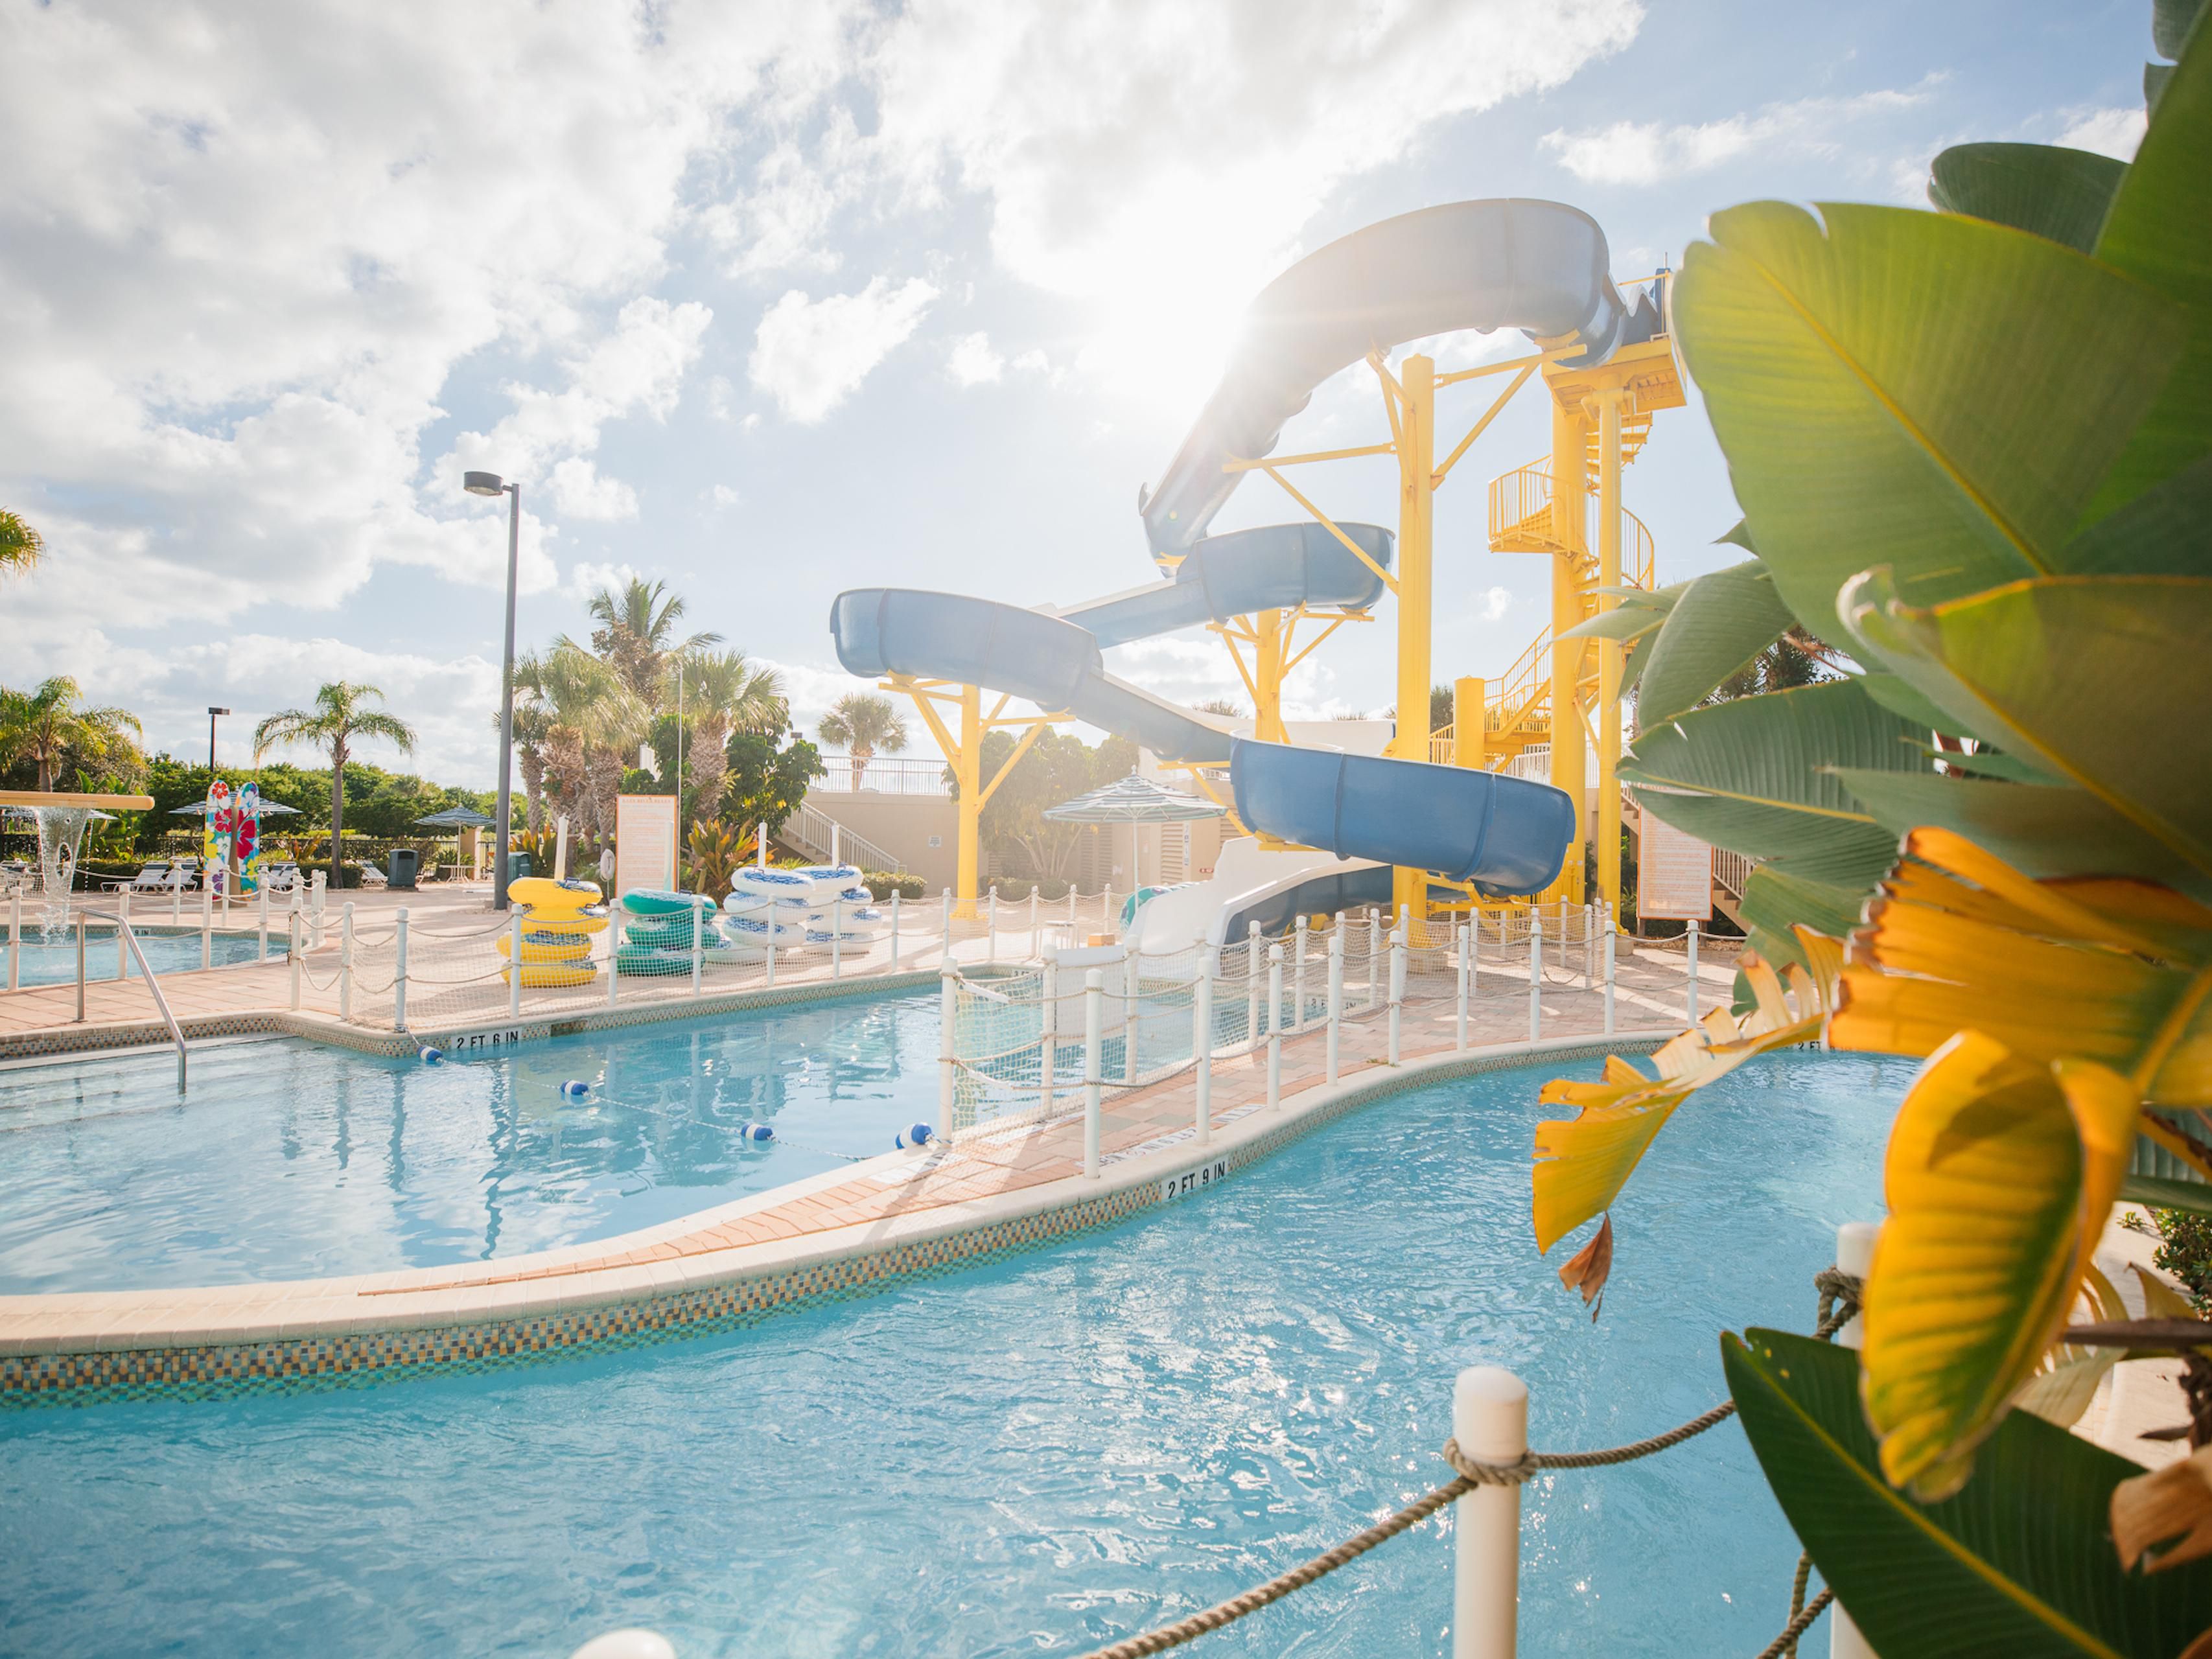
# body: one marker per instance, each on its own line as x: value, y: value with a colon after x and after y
x: 1134, y: 800
x: 457, y: 817
x: 198, y: 809
x: 92, y: 816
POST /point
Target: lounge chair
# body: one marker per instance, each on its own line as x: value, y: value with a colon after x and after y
x: 151, y: 879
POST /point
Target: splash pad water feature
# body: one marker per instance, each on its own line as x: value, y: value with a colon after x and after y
x: 61, y: 820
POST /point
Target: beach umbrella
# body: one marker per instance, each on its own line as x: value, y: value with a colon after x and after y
x: 457, y: 817
x: 198, y: 809
x: 1134, y: 800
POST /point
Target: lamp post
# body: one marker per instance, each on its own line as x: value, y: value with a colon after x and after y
x: 212, y: 714
x: 490, y: 483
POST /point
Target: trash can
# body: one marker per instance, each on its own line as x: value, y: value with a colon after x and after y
x: 517, y: 866
x: 400, y: 866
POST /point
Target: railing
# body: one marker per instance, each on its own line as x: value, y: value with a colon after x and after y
x: 1731, y: 870
x: 1507, y: 697
x: 129, y: 938
x: 1519, y: 495
x: 815, y: 833
x: 882, y: 775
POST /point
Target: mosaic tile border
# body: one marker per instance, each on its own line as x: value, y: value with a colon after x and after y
x: 361, y: 1359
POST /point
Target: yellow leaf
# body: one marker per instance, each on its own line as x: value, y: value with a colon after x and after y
x: 2066, y: 1379
x: 2000, y: 1172
x: 2115, y: 972
x: 2175, y: 1501
x: 1581, y: 1162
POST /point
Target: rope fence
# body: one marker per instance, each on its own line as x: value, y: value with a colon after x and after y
x: 1840, y: 1295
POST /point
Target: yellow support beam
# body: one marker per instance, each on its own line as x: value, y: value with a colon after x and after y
x: 1570, y: 513
x: 1609, y: 654
x: 1417, y: 485
x: 1467, y: 723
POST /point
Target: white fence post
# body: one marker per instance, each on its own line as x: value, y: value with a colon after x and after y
x: 1201, y: 1047
x: 15, y: 940
x: 1536, y: 974
x: 514, y: 963
x: 947, y: 951
x: 319, y: 899
x: 1130, y: 965
x: 1336, y: 992
x: 1033, y: 918
x: 1071, y: 911
x: 1094, y: 1020
x: 837, y: 937
x: 1298, y: 981
x: 294, y: 941
x: 948, y: 991
x: 207, y: 928
x: 1253, y: 1033
x: 895, y: 927
x: 399, y: 969
x: 1274, y: 1025
x: 1397, y: 985
x: 1690, y: 988
x: 1374, y: 957
x: 1466, y: 973
x: 345, y: 962
x: 1609, y: 971
x: 614, y: 957
x: 698, y: 944
x: 1047, y: 1039
x: 1855, y: 1243
x: 123, y: 950
x: 177, y: 903
x: 1490, y: 1420
x: 261, y: 945
x: 991, y: 946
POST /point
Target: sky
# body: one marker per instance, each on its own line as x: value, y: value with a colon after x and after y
x: 765, y: 302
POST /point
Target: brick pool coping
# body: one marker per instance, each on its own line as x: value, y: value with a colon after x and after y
x: 846, y: 1232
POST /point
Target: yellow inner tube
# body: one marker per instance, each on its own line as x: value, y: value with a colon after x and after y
x: 537, y: 950
x: 542, y: 918
x: 549, y: 974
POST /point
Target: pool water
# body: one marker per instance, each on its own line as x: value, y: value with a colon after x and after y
x: 168, y: 953
x: 291, y: 1159
x: 1036, y: 1456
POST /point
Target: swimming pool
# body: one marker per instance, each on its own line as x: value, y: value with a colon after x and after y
x: 1038, y: 1456
x: 291, y: 1159
x: 168, y: 953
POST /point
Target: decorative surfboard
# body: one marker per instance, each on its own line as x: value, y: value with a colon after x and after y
x: 214, y: 837
x: 246, y: 836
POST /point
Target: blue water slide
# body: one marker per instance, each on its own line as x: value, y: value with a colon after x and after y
x: 1540, y: 266
x: 1506, y: 835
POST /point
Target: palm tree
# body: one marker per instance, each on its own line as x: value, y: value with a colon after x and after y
x: 728, y: 693
x: 863, y: 724
x: 341, y: 714
x: 533, y: 724
x: 637, y: 633
x: 47, y: 727
x: 593, y: 723
x: 20, y: 545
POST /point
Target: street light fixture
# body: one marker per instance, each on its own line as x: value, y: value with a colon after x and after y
x: 212, y: 713
x: 490, y: 483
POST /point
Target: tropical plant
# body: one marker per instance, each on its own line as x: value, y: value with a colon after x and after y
x: 20, y: 546
x: 1055, y: 767
x: 636, y: 634
x: 765, y: 780
x: 1979, y: 441
x: 717, y: 852
x: 724, y: 691
x: 49, y: 729
x: 341, y: 715
x: 863, y: 724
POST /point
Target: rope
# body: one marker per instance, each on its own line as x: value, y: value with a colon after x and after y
x: 1838, y: 1305
x: 1797, y: 1584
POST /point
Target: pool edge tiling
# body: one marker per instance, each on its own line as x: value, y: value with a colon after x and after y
x: 84, y: 1348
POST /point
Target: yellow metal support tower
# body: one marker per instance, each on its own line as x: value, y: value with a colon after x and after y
x: 964, y: 754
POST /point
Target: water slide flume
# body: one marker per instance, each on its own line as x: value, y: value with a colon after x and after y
x: 1538, y: 266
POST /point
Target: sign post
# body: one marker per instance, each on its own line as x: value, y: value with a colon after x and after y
x: 1674, y: 874
x: 645, y: 844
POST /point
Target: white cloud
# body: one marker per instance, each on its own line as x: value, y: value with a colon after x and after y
x: 2107, y: 132
x: 1646, y: 152
x: 811, y: 355
x: 588, y: 578
x: 579, y: 492
x: 1496, y: 601
x: 973, y: 362
x: 723, y: 496
x: 239, y: 277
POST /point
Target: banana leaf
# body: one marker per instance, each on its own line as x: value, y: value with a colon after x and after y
x: 2042, y: 189
x: 2020, y: 1562
x: 1723, y: 620
x: 1945, y: 390
x: 2155, y: 233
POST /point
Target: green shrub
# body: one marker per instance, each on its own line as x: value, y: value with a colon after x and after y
x: 882, y: 883
x: 2185, y: 1251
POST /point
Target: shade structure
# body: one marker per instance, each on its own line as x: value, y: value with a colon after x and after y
x: 198, y: 809
x: 457, y: 818
x: 1134, y: 800
x: 92, y: 814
